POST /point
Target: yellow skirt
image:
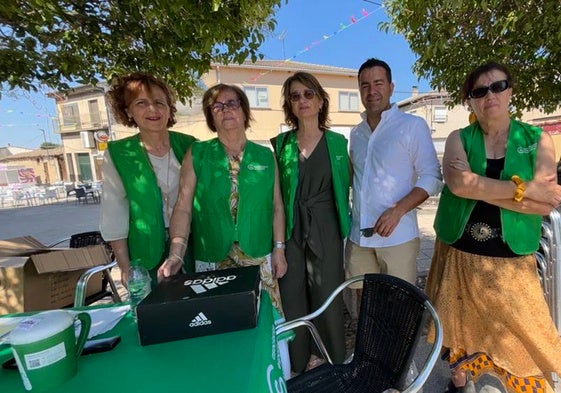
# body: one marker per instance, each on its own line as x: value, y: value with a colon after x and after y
x: 495, y: 317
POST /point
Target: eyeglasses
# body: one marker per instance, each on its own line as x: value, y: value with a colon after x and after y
x: 296, y: 95
x: 367, y: 232
x: 495, y: 87
x: 230, y: 104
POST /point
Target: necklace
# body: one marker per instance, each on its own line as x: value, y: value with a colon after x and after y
x: 165, y: 187
x: 234, y: 153
x: 165, y: 194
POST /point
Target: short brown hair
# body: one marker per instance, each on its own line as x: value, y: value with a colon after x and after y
x: 311, y: 82
x: 125, y: 88
x: 210, y: 96
x: 469, y: 83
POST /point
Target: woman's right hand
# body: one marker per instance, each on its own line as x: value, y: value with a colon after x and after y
x: 171, y: 266
x: 124, y: 277
x: 544, y: 190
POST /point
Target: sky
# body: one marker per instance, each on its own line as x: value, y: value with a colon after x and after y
x: 341, y: 33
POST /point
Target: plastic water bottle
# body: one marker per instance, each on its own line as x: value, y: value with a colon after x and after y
x: 139, y: 284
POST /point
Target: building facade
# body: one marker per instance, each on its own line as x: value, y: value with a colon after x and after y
x: 33, y: 167
x: 85, y: 122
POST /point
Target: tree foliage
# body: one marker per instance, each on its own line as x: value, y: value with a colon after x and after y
x: 48, y: 145
x: 60, y: 42
x: 453, y: 37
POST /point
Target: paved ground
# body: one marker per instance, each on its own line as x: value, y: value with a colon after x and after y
x: 49, y: 223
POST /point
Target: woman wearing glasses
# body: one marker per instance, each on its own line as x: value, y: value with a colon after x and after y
x: 229, y: 197
x: 314, y: 173
x: 500, y: 180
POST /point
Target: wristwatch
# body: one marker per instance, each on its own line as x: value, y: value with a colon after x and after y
x: 279, y: 245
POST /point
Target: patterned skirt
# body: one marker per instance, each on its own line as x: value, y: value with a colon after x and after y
x: 495, y: 318
x: 237, y: 258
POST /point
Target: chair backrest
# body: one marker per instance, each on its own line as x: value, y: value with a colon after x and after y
x: 80, y: 192
x: 92, y: 238
x: 391, y: 319
x: 50, y: 193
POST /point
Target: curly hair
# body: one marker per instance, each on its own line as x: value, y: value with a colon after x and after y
x: 311, y: 82
x: 125, y: 88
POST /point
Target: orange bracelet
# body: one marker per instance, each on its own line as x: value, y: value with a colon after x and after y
x: 520, y: 188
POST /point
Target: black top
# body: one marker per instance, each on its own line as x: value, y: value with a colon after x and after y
x: 315, y: 214
x: 483, y: 234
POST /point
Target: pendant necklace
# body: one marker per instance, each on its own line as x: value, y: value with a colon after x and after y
x: 165, y: 193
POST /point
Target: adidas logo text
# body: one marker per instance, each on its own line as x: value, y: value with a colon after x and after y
x: 210, y: 280
x: 200, y: 320
x: 200, y: 285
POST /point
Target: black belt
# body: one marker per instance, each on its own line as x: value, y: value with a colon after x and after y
x: 482, y: 232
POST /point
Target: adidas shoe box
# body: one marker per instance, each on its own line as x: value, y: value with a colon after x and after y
x: 200, y: 304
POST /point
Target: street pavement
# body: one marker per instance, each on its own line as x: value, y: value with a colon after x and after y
x: 52, y: 222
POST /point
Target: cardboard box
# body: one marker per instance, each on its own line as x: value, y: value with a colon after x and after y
x: 200, y: 304
x: 33, y: 277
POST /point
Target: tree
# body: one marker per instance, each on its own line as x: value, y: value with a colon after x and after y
x: 48, y: 145
x: 58, y: 43
x: 453, y: 37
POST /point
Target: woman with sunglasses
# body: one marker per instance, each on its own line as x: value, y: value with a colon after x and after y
x: 314, y: 173
x: 229, y: 198
x: 500, y: 180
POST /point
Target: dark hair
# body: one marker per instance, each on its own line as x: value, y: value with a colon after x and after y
x: 311, y: 82
x: 469, y: 83
x: 125, y: 88
x: 373, y: 62
x: 210, y: 96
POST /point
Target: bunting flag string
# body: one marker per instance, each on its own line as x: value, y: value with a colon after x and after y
x: 342, y: 26
x: 35, y: 101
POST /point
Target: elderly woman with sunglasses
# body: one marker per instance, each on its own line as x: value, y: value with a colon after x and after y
x: 315, y: 175
x: 229, y: 198
x: 500, y: 180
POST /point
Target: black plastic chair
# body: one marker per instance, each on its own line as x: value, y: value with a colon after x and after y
x: 91, y: 239
x: 393, y: 314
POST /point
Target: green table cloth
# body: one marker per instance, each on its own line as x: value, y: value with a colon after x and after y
x: 244, y: 361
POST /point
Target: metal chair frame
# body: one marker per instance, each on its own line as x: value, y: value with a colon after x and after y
x: 432, y: 357
x: 91, y: 238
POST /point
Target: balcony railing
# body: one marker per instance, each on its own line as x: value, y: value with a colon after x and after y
x: 85, y: 122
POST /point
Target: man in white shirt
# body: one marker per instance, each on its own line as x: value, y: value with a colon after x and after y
x: 395, y: 170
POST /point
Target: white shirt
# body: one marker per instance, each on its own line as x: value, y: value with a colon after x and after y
x: 114, y: 215
x: 388, y: 163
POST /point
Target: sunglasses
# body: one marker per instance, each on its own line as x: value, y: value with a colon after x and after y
x: 367, y: 232
x: 495, y: 87
x: 307, y: 94
x: 230, y: 104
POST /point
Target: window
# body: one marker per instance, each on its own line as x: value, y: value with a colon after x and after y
x: 440, y: 114
x: 258, y: 96
x: 70, y: 115
x: 348, y: 101
x: 95, y: 117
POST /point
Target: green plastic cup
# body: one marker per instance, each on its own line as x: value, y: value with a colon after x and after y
x: 46, y: 348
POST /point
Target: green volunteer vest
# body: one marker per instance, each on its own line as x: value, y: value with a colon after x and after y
x: 213, y: 228
x: 520, y: 231
x: 146, y: 238
x: 286, y: 148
